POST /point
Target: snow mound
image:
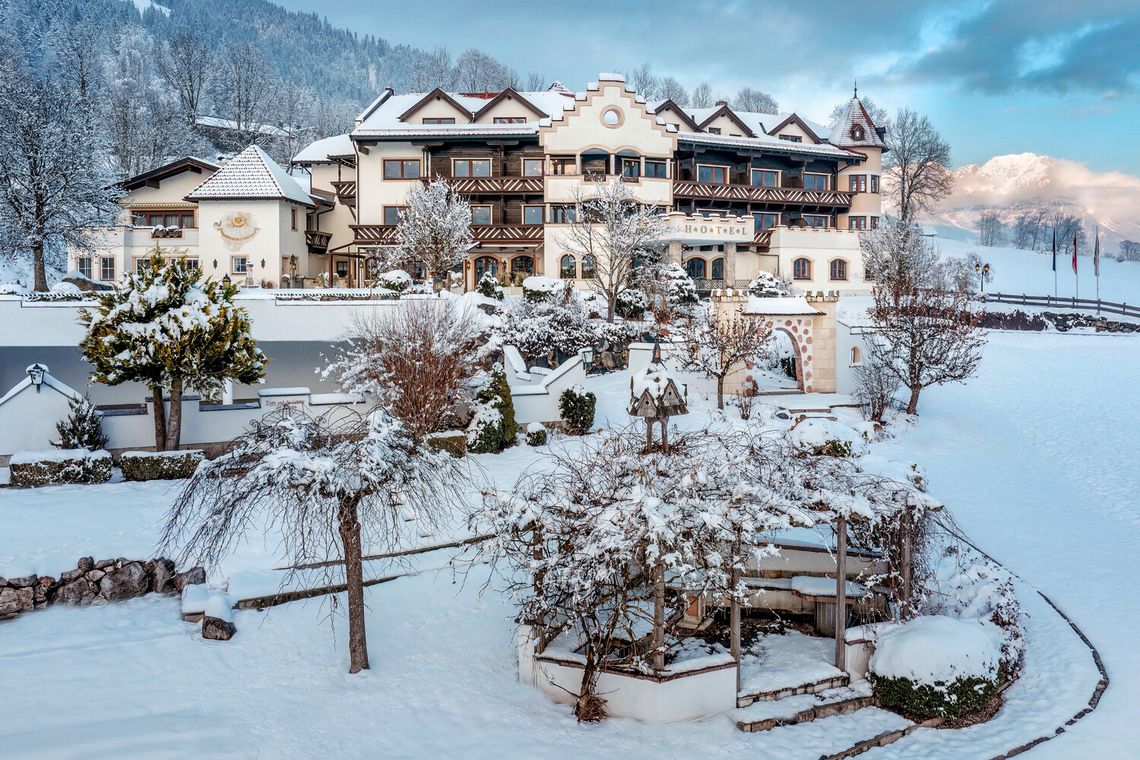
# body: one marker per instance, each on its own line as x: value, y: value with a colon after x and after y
x: 816, y: 432
x: 541, y: 284
x: 936, y: 648
x: 67, y: 288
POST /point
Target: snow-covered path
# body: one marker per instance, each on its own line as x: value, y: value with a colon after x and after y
x: 1037, y: 459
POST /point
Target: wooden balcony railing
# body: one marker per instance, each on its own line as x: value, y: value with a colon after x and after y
x: 496, y: 185
x: 166, y: 232
x: 385, y: 234
x: 345, y: 192
x: 787, y: 195
x: 318, y: 242
x: 763, y: 238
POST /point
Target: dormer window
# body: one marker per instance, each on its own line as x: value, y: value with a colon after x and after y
x: 439, y: 120
x: 714, y: 130
x: 792, y: 138
x: 509, y: 120
x: 856, y: 132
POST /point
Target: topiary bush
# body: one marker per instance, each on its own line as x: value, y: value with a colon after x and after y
x: 453, y: 443
x: 576, y: 405
x: 962, y: 696
x: 159, y: 465
x: 537, y: 289
x: 50, y: 468
x: 493, y: 427
x: 767, y: 285
x: 536, y: 435
x: 682, y: 289
x: 396, y: 280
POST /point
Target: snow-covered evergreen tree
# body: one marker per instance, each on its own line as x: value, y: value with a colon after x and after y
x: 166, y: 328
x: 434, y: 230
x: 682, y: 291
x: 82, y: 428
x: 767, y: 285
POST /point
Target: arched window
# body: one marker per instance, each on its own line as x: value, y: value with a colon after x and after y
x: 838, y: 269
x: 696, y: 268
x: 856, y: 356
x: 718, y: 269
x: 485, y: 264
x: 801, y: 269
x: 523, y: 265
x: 568, y: 268
x: 589, y: 267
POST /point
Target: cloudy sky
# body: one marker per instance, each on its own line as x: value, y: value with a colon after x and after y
x: 1054, y: 77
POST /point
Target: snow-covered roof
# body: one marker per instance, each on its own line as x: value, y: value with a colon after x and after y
x: 219, y: 123
x: 856, y: 129
x: 323, y: 150
x: 785, y: 305
x: 384, y: 118
x: 764, y: 141
x: 251, y: 175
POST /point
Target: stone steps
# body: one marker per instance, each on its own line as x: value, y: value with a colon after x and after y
x: 803, y: 708
x: 815, y: 687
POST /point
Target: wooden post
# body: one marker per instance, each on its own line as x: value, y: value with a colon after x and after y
x: 735, y: 640
x: 841, y: 593
x: 648, y: 433
x: 659, y: 615
x: 665, y: 434
x: 905, y: 595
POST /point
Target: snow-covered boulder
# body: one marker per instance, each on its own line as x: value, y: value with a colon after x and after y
x: 936, y: 666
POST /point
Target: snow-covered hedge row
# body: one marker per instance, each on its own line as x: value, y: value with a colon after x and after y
x: 159, y: 465
x: 336, y: 294
x: 49, y: 468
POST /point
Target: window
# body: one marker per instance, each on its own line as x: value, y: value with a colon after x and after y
x: 838, y: 269
x: 485, y: 264
x: 819, y: 221
x: 180, y: 219
x: 714, y: 130
x: 718, y: 269
x: 293, y: 218
x: 801, y: 269
x: 439, y: 120
x: 563, y: 165
x: 522, y: 265
x: 815, y: 181
x: 480, y: 215
x: 696, y: 268
x: 532, y: 214
x: 563, y: 214
x: 140, y: 266
x: 856, y: 356
x: 238, y: 264
x: 857, y: 183
x: 568, y: 267
x: 471, y: 167
x: 192, y: 263
x: 612, y: 117
x: 106, y: 269
x: 341, y: 268
x: 874, y: 222
x: 718, y: 175
x: 874, y: 183
x: 509, y: 120
x: 792, y: 138
x: 856, y: 132
x: 631, y: 168
x: 656, y: 170
x: 392, y: 214
x: 766, y: 221
x: 765, y: 178
x: 84, y: 263
x: 856, y: 222
x: 401, y: 169
x: 532, y: 167
x: 589, y: 267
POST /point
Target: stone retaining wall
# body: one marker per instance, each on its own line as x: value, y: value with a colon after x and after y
x: 91, y: 582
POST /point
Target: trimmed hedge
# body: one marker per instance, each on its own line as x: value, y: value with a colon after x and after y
x: 453, y: 443
x: 576, y: 405
x: 962, y: 696
x: 536, y: 435
x: 30, y: 469
x: 163, y: 465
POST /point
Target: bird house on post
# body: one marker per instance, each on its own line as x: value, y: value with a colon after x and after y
x: 655, y: 396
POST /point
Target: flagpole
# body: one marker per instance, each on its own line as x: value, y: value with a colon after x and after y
x: 1076, y: 277
x: 1096, y: 267
x: 1055, y: 293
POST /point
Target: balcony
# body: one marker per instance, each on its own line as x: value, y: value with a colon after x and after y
x: 496, y: 185
x: 794, y: 196
x: 166, y: 232
x: 317, y: 242
x: 345, y: 192
x: 497, y: 234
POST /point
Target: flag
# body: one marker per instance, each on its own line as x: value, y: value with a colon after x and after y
x: 1096, y: 254
x: 1074, y: 254
x: 1054, y: 249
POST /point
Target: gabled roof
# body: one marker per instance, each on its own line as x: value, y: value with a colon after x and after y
x: 795, y: 119
x: 671, y: 105
x: 856, y: 129
x: 436, y: 94
x: 154, y: 176
x: 509, y: 93
x: 324, y: 150
x: 251, y: 175
x: 725, y: 111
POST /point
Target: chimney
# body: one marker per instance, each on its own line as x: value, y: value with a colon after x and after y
x: 720, y: 103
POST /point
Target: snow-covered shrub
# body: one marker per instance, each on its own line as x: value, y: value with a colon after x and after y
x: 935, y: 667
x: 489, y: 286
x: 682, y: 290
x: 396, y: 280
x: 67, y: 288
x: 767, y: 285
x: 543, y: 330
x: 453, y: 442
x: 82, y: 428
x: 493, y: 427
x: 12, y: 289
x: 51, y: 468
x: 576, y: 405
x: 824, y: 437
x: 631, y: 304
x: 536, y: 434
x: 536, y: 288
x: 161, y: 465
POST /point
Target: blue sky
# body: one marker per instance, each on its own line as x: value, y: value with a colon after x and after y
x: 1055, y: 77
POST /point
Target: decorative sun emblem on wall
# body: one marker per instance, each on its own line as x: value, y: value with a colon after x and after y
x: 236, y: 228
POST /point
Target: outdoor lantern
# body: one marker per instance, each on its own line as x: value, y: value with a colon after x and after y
x: 587, y: 355
x: 226, y: 279
x: 36, y: 374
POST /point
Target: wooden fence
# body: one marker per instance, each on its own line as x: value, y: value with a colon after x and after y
x: 1083, y: 304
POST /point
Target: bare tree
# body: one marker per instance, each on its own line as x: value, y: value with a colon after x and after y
x: 245, y: 87
x: 876, y: 385
x: 417, y: 358
x: 620, y: 237
x: 186, y: 65
x: 645, y: 82
x: 702, y: 96
x: 673, y: 90
x: 925, y: 330
x: 757, y: 101
x: 1030, y: 228
x: 329, y: 486
x: 535, y: 81
x: 434, y: 230
x: 716, y: 345
x: 1067, y: 226
x: 1129, y: 251
x: 478, y: 72
x: 918, y: 165
x: 991, y: 229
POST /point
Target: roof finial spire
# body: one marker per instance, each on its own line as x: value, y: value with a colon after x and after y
x: 856, y: 89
